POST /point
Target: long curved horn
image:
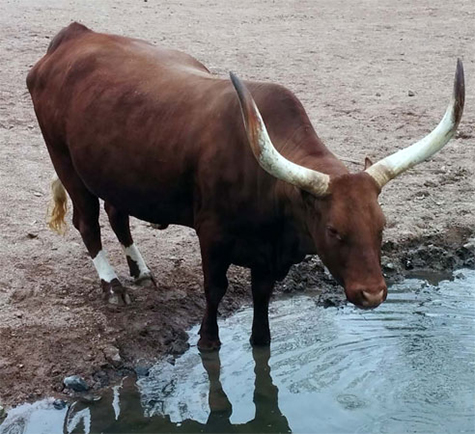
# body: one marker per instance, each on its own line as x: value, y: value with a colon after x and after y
x: 390, y: 167
x: 268, y: 157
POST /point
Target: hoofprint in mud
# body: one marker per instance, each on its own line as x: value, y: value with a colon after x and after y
x: 150, y: 150
x: 354, y: 83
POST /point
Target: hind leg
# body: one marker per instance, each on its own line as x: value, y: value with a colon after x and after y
x: 120, y: 224
x: 86, y: 221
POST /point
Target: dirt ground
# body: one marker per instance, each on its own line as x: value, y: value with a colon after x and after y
x: 374, y: 76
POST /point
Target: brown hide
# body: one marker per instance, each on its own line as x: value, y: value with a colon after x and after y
x: 153, y: 133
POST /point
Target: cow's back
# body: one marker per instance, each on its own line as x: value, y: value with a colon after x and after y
x: 137, y: 121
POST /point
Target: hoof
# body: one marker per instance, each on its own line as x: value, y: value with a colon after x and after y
x: 115, y: 293
x: 145, y: 279
x: 207, y: 345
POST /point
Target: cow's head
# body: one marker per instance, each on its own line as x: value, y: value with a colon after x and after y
x: 342, y: 214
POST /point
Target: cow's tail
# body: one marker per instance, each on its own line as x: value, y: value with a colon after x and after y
x: 58, y: 207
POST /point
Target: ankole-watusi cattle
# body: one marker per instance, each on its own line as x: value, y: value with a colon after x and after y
x: 156, y: 136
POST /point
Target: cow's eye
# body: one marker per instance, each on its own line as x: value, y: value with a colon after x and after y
x: 334, y: 233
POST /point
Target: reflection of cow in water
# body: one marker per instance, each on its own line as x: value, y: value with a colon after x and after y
x: 103, y: 417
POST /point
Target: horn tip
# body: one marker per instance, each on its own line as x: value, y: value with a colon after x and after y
x: 236, y: 83
x: 459, y: 91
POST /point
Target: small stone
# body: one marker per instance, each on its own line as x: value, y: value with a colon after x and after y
x: 31, y: 235
x: 142, y: 371
x: 390, y: 266
x: 411, y: 93
x: 59, y: 404
x: 19, y: 315
x: 38, y: 194
x: 470, y: 245
x: 112, y: 355
x: 378, y: 94
x: 76, y: 383
x: 21, y: 365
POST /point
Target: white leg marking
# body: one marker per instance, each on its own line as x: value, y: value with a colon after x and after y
x: 133, y: 253
x: 104, y: 269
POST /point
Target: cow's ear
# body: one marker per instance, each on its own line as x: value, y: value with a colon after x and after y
x: 367, y: 163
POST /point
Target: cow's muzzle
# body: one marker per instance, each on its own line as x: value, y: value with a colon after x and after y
x: 367, y: 298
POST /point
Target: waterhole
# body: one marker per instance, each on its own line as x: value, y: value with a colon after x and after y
x: 408, y: 366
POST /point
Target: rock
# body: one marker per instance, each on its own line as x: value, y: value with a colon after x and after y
x: 411, y: 93
x: 470, y: 245
x: 387, y: 264
x: 59, y: 404
x: 142, y: 371
x: 76, y: 383
x: 112, y: 355
x: 31, y: 235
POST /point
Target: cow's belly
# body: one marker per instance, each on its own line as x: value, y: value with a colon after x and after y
x: 150, y: 191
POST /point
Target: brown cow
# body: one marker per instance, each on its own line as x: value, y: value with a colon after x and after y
x: 157, y: 136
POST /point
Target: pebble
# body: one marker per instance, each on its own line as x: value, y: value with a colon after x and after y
x: 411, y: 93
x: 470, y: 245
x: 76, y: 383
x: 142, y: 371
x: 59, y: 404
x: 112, y: 355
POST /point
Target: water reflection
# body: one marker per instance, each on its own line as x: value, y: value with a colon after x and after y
x: 116, y: 414
x: 121, y: 410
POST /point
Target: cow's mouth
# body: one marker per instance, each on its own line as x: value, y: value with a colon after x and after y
x: 366, y: 299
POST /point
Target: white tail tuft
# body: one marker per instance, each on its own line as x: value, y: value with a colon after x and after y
x: 58, y: 207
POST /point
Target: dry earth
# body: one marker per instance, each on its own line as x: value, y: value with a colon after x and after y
x: 353, y: 64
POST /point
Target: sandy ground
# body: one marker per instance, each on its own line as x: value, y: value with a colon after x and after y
x: 353, y: 65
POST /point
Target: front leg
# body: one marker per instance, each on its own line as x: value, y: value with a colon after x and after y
x: 215, y: 266
x: 262, y: 287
